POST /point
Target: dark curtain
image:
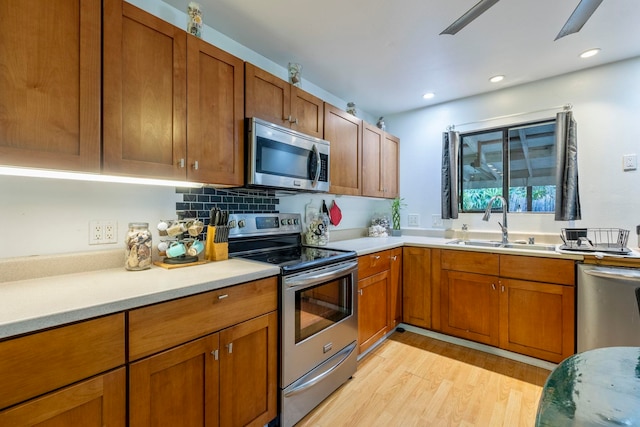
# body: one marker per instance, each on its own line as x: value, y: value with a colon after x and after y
x: 567, y: 196
x: 450, y: 144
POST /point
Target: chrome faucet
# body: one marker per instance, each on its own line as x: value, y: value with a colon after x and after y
x: 503, y: 226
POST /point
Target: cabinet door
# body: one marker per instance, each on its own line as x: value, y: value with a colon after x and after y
x: 372, y: 172
x: 144, y: 94
x: 344, y: 133
x: 266, y: 96
x: 395, y: 289
x: 391, y: 166
x: 307, y: 112
x: 215, y: 123
x: 178, y: 387
x: 537, y: 319
x: 416, y: 286
x: 248, y: 372
x: 50, y: 84
x: 372, y: 309
x: 470, y: 306
x: 99, y: 402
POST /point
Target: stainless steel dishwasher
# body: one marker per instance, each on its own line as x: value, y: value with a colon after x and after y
x: 608, y: 312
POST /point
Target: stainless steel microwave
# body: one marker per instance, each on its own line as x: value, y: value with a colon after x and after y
x: 283, y: 158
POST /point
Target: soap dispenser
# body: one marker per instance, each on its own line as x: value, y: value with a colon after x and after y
x: 465, y: 232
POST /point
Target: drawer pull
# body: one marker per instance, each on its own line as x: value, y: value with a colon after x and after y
x: 395, y: 257
x: 215, y: 354
x: 223, y: 296
x: 377, y: 257
x: 230, y: 347
x: 493, y: 286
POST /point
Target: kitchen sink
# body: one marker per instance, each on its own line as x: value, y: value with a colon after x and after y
x: 495, y: 244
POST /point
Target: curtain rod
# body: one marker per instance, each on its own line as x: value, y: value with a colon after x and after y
x: 565, y: 107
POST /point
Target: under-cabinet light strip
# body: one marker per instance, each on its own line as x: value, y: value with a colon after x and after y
x: 78, y: 176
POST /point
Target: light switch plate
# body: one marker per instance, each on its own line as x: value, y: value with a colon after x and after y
x: 413, y: 220
x: 629, y: 162
x: 436, y: 220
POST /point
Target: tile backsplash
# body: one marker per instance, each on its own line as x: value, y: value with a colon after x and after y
x: 198, y: 202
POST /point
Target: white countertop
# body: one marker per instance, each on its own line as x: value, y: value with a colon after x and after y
x: 34, y: 304
x: 30, y: 305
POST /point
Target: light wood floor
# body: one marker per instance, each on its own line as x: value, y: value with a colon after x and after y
x: 412, y: 380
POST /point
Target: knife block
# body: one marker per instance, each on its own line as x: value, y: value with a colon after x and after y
x: 215, y: 251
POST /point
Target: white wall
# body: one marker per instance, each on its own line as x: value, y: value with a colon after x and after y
x: 606, y: 106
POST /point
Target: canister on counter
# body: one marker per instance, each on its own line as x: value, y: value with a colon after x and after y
x: 138, y: 246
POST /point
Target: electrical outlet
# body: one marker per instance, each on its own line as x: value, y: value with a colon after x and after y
x: 110, y: 231
x: 629, y: 162
x: 436, y: 220
x: 102, y: 232
x: 413, y: 220
x: 95, y: 232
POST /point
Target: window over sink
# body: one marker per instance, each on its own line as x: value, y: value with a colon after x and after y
x: 517, y: 161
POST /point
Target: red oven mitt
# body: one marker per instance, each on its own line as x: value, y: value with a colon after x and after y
x: 335, y: 214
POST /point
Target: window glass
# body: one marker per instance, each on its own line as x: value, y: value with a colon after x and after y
x: 518, y: 160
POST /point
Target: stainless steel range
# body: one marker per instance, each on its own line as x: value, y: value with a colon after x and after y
x: 318, y: 313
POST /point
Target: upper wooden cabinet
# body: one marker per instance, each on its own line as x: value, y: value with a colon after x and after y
x: 50, y: 84
x: 344, y: 132
x: 277, y: 101
x: 380, y: 156
x: 215, y: 119
x: 154, y: 71
x: 144, y: 94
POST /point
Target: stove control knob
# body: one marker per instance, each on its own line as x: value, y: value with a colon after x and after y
x: 241, y: 223
x: 296, y: 221
x: 283, y: 221
x: 290, y: 221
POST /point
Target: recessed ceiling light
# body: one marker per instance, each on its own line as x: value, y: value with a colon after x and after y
x: 589, y: 53
x: 428, y: 95
x: 496, y: 79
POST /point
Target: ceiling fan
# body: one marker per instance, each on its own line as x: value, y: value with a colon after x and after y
x: 580, y: 15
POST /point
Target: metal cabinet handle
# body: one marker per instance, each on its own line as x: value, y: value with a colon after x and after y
x: 195, y: 165
x: 215, y: 354
x: 493, y: 286
x: 181, y: 163
x: 223, y: 296
x: 501, y: 285
x: 230, y: 347
x: 360, y: 291
x: 394, y: 258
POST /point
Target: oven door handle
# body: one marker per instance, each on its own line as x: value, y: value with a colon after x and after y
x: 314, y: 278
x: 328, y: 366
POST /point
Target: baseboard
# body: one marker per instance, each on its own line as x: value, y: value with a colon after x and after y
x: 477, y: 346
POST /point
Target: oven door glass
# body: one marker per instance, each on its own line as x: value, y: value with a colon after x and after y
x: 322, y: 306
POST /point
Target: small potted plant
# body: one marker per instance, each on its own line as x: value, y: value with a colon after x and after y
x: 396, y: 205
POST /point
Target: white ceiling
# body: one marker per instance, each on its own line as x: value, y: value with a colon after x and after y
x: 384, y: 55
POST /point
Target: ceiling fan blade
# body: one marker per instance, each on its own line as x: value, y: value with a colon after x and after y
x: 583, y: 12
x: 477, y: 10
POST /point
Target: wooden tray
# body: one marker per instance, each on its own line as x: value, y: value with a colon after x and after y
x: 186, y: 264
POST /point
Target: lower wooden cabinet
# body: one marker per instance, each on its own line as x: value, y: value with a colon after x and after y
x: 537, y: 319
x: 372, y: 309
x: 379, y: 295
x: 99, y: 401
x: 395, y: 289
x: 416, y: 286
x: 524, y: 304
x: 228, y: 378
x: 470, y: 306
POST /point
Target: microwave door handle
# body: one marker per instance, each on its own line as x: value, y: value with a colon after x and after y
x: 318, y: 164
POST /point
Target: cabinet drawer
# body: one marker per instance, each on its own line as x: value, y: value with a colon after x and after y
x: 44, y: 361
x: 374, y: 263
x: 164, y: 325
x: 470, y: 262
x: 550, y: 270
